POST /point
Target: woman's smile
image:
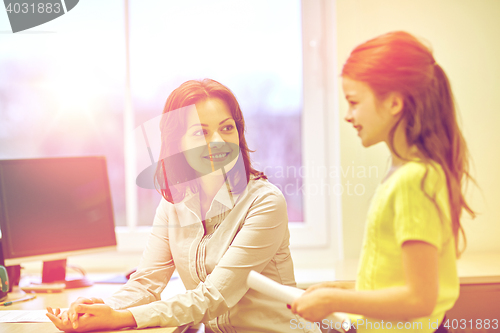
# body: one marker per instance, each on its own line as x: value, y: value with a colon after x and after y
x: 217, y: 157
x: 211, y: 141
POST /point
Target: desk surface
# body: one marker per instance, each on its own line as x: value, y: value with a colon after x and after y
x: 62, y: 300
x: 472, y: 269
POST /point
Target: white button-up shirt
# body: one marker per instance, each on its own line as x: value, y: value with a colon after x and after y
x: 241, y: 233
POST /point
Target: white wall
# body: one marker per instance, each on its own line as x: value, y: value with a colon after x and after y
x: 465, y: 37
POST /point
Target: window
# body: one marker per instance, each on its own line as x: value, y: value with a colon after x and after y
x: 254, y: 48
x: 61, y: 90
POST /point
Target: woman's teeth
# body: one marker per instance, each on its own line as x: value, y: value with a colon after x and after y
x: 217, y: 156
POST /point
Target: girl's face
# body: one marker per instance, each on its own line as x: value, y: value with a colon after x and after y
x: 211, y: 140
x: 371, y: 117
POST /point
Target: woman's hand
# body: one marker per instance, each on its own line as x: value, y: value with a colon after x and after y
x: 315, y: 305
x: 95, y: 317
x: 71, y: 316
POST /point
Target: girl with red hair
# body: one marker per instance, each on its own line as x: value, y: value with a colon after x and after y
x: 407, y: 277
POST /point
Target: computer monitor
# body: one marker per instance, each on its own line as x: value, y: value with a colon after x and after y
x: 52, y: 208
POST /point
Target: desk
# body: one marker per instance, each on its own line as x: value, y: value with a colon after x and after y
x: 62, y: 300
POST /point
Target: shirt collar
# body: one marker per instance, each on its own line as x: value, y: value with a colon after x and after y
x: 225, y: 197
x: 192, y: 202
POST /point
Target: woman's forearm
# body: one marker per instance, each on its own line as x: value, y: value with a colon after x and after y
x: 125, y: 319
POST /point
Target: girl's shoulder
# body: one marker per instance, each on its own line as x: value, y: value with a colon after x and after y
x: 418, y: 173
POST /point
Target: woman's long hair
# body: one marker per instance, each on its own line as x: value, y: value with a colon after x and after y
x: 173, y: 126
x: 399, y: 62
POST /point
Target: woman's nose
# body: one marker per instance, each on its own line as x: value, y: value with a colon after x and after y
x: 216, y: 145
x: 216, y: 141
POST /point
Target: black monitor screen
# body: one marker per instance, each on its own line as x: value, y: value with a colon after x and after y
x: 54, y: 205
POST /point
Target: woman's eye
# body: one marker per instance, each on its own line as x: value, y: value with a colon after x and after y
x: 228, y: 128
x: 200, y: 133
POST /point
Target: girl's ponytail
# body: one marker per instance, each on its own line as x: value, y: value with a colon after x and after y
x: 457, y: 155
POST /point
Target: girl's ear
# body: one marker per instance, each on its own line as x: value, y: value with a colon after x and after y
x: 395, y: 103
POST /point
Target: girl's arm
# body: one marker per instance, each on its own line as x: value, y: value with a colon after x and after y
x: 333, y: 284
x: 417, y: 298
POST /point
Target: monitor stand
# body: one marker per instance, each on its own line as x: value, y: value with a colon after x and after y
x: 55, y: 272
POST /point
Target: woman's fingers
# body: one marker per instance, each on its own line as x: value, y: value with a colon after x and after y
x: 58, y: 313
x: 52, y: 318
x: 96, y: 300
x: 81, y: 309
x: 73, y: 314
x: 56, y: 321
x: 65, y: 318
x: 93, y: 309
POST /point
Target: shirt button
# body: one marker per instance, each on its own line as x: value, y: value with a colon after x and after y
x: 209, y: 220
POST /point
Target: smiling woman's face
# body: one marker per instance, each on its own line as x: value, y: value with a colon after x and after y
x: 211, y: 140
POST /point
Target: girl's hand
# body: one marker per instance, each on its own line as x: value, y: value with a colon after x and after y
x: 315, y: 305
x: 96, y: 317
x: 332, y: 284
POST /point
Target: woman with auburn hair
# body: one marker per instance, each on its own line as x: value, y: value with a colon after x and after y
x: 218, y: 219
x: 407, y: 276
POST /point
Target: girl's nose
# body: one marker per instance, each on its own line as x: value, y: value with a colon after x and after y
x: 348, y: 117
